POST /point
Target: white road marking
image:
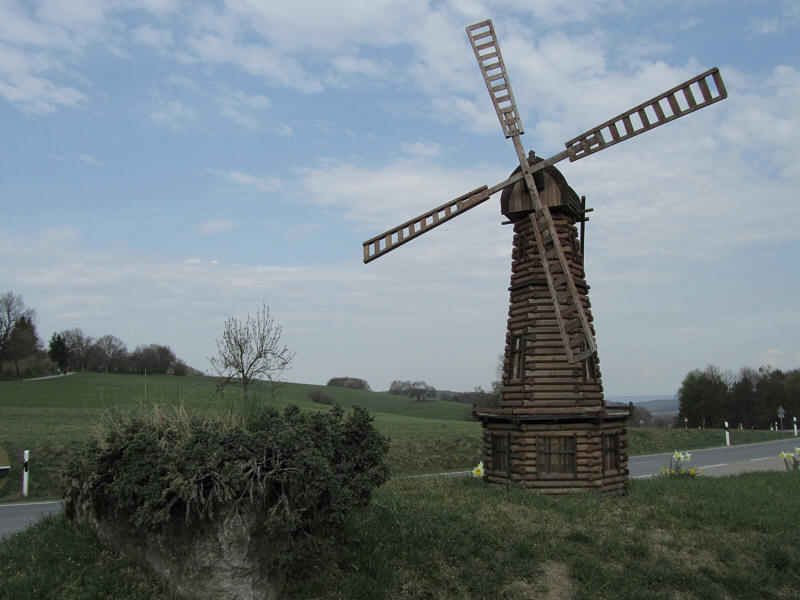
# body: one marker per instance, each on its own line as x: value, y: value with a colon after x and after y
x: 765, y: 458
x: 712, y: 466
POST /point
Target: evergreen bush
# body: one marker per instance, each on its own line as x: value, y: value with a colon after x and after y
x: 299, y: 473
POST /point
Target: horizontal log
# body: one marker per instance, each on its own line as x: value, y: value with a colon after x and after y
x: 557, y: 483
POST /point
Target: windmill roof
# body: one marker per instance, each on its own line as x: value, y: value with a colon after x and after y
x: 570, y: 199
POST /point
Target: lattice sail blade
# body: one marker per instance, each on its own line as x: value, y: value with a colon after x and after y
x: 490, y: 60
x: 393, y: 238
x: 694, y: 94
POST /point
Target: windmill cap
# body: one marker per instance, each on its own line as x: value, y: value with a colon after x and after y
x: 515, y: 200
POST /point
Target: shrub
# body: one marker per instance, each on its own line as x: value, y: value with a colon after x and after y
x: 321, y: 397
x: 349, y: 382
x: 300, y: 473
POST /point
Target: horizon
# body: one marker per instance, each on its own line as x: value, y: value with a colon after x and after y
x: 171, y: 165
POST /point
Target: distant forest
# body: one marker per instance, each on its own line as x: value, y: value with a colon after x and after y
x: 22, y: 353
x: 751, y: 397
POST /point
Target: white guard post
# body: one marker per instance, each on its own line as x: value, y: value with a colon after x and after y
x: 794, y: 420
x: 727, y: 435
x: 25, y: 456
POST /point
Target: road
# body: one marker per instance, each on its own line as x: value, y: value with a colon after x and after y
x: 717, y: 462
x: 16, y: 517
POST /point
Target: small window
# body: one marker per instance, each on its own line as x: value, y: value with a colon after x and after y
x: 516, y: 363
x: 610, y: 452
x: 501, y: 453
x: 556, y: 457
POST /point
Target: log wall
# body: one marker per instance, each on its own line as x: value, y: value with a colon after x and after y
x: 544, y: 394
x: 548, y: 383
x: 589, y: 475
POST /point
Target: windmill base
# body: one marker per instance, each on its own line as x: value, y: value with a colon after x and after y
x: 569, y: 453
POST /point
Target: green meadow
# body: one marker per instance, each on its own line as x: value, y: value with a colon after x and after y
x: 462, y: 538
x: 428, y: 538
x: 52, y: 416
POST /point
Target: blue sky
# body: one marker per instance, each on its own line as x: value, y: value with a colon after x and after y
x: 168, y: 164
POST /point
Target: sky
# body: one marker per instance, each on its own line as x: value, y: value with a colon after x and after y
x: 165, y: 165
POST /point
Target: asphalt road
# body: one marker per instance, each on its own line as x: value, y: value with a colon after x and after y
x: 16, y: 517
x: 714, y: 462
x: 729, y: 460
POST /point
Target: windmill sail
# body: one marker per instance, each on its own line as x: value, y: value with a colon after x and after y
x: 490, y: 60
x: 576, y: 333
x: 397, y: 236
x: 694, y: 94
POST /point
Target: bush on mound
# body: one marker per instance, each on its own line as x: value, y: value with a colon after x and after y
x: 293, y: 476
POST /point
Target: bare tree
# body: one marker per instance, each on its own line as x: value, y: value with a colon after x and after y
x: 78, y: 344
x: 251, y: 349
x: 421, y: 391
x: 111, y: 352
x: 12, y: 309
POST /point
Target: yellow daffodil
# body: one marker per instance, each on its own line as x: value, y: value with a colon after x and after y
x: 478, y: 471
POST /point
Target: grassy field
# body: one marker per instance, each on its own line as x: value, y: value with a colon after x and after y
x: 453, y: 538
x: 50, y: 417
x: 430, y: 538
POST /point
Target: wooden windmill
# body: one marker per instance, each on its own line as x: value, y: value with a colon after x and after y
x: 552, y: 430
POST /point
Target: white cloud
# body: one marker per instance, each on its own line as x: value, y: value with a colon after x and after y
x: 243, y: 119
x: 330, y: 328
x: 22, y: 82
x: 262, y: 184
x: 89, y: 159
x: 250, y: 100
x: 428, y: 149
x: 764, y: 26
x: 389, y: 194
x: 255, y: 60
x: 351, y: 65
x: 160, y: 39
x: 238, y: 106
x: 172, y: 114
x: 181, y: 81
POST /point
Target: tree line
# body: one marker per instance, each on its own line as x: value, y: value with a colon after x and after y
x: 419, y: 390
x: 751, y: 398
x: 73, y: 349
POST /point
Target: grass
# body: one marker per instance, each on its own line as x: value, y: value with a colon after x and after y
x: 51, y: 417
x: 431, y: 538
x: 670, y: 538
x: 451, y: 538
x: 59, y: 559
